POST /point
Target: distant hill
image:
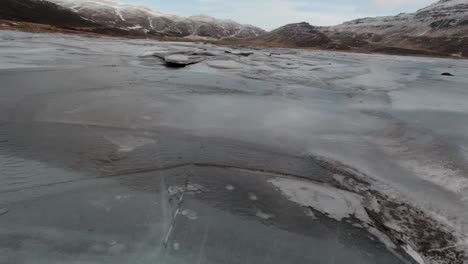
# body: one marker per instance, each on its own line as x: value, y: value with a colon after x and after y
x: 298, y: 35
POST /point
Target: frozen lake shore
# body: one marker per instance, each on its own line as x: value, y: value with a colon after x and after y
x: 248, y: 156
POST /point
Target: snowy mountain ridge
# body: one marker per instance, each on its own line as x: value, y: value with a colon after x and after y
x: 444, y: 14
x: 138, y: 18
x: 445, y: 4
x: 439, y: 29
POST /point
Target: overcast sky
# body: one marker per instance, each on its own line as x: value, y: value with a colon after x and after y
x: 270, y: 14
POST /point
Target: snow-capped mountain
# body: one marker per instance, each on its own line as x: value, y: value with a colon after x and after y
x: 439, y: 29
x: 138, y: 18
x: 446, y: 17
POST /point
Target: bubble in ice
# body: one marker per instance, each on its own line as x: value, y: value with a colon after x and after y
x: 263, y: 215
x: 310, y: 213
x: 253, y: 197
x: 116, y: 248
x: 122, y: 197
x: 190, y: 214
x: 176, y: 246
x: 3, y: 210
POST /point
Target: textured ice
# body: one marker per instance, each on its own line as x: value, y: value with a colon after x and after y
x: 395, y: 119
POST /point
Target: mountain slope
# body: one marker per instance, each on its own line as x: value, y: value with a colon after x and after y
x: 444, y: 18
x: 38, y: 11
x: 147, y: 21
x: 441, y: 27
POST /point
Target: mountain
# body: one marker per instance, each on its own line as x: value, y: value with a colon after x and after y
x: 146, y: 21
x: 298, y: 35
x: 441, y: 27
x: 38, y: 11
x: 444, y: 18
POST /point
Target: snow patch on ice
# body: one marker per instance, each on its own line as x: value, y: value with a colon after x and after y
x: 130, y: 143
x: 337, y: 204
x: 381, y: 237
x: 415, y: 255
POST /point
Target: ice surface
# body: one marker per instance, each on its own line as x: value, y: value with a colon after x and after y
x: 228, y: 64
x: 73, y: 108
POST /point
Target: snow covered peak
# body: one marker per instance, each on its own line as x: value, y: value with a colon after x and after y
x: 203, y: 18
x: 445, y: 4
x: 103, y: 5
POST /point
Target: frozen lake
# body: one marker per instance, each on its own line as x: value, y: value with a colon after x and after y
x: 284, y: 156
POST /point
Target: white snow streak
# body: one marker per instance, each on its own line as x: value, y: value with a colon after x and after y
x: 337, y: 204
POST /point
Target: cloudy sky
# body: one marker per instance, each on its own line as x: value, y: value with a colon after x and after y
x: 270, y: 14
